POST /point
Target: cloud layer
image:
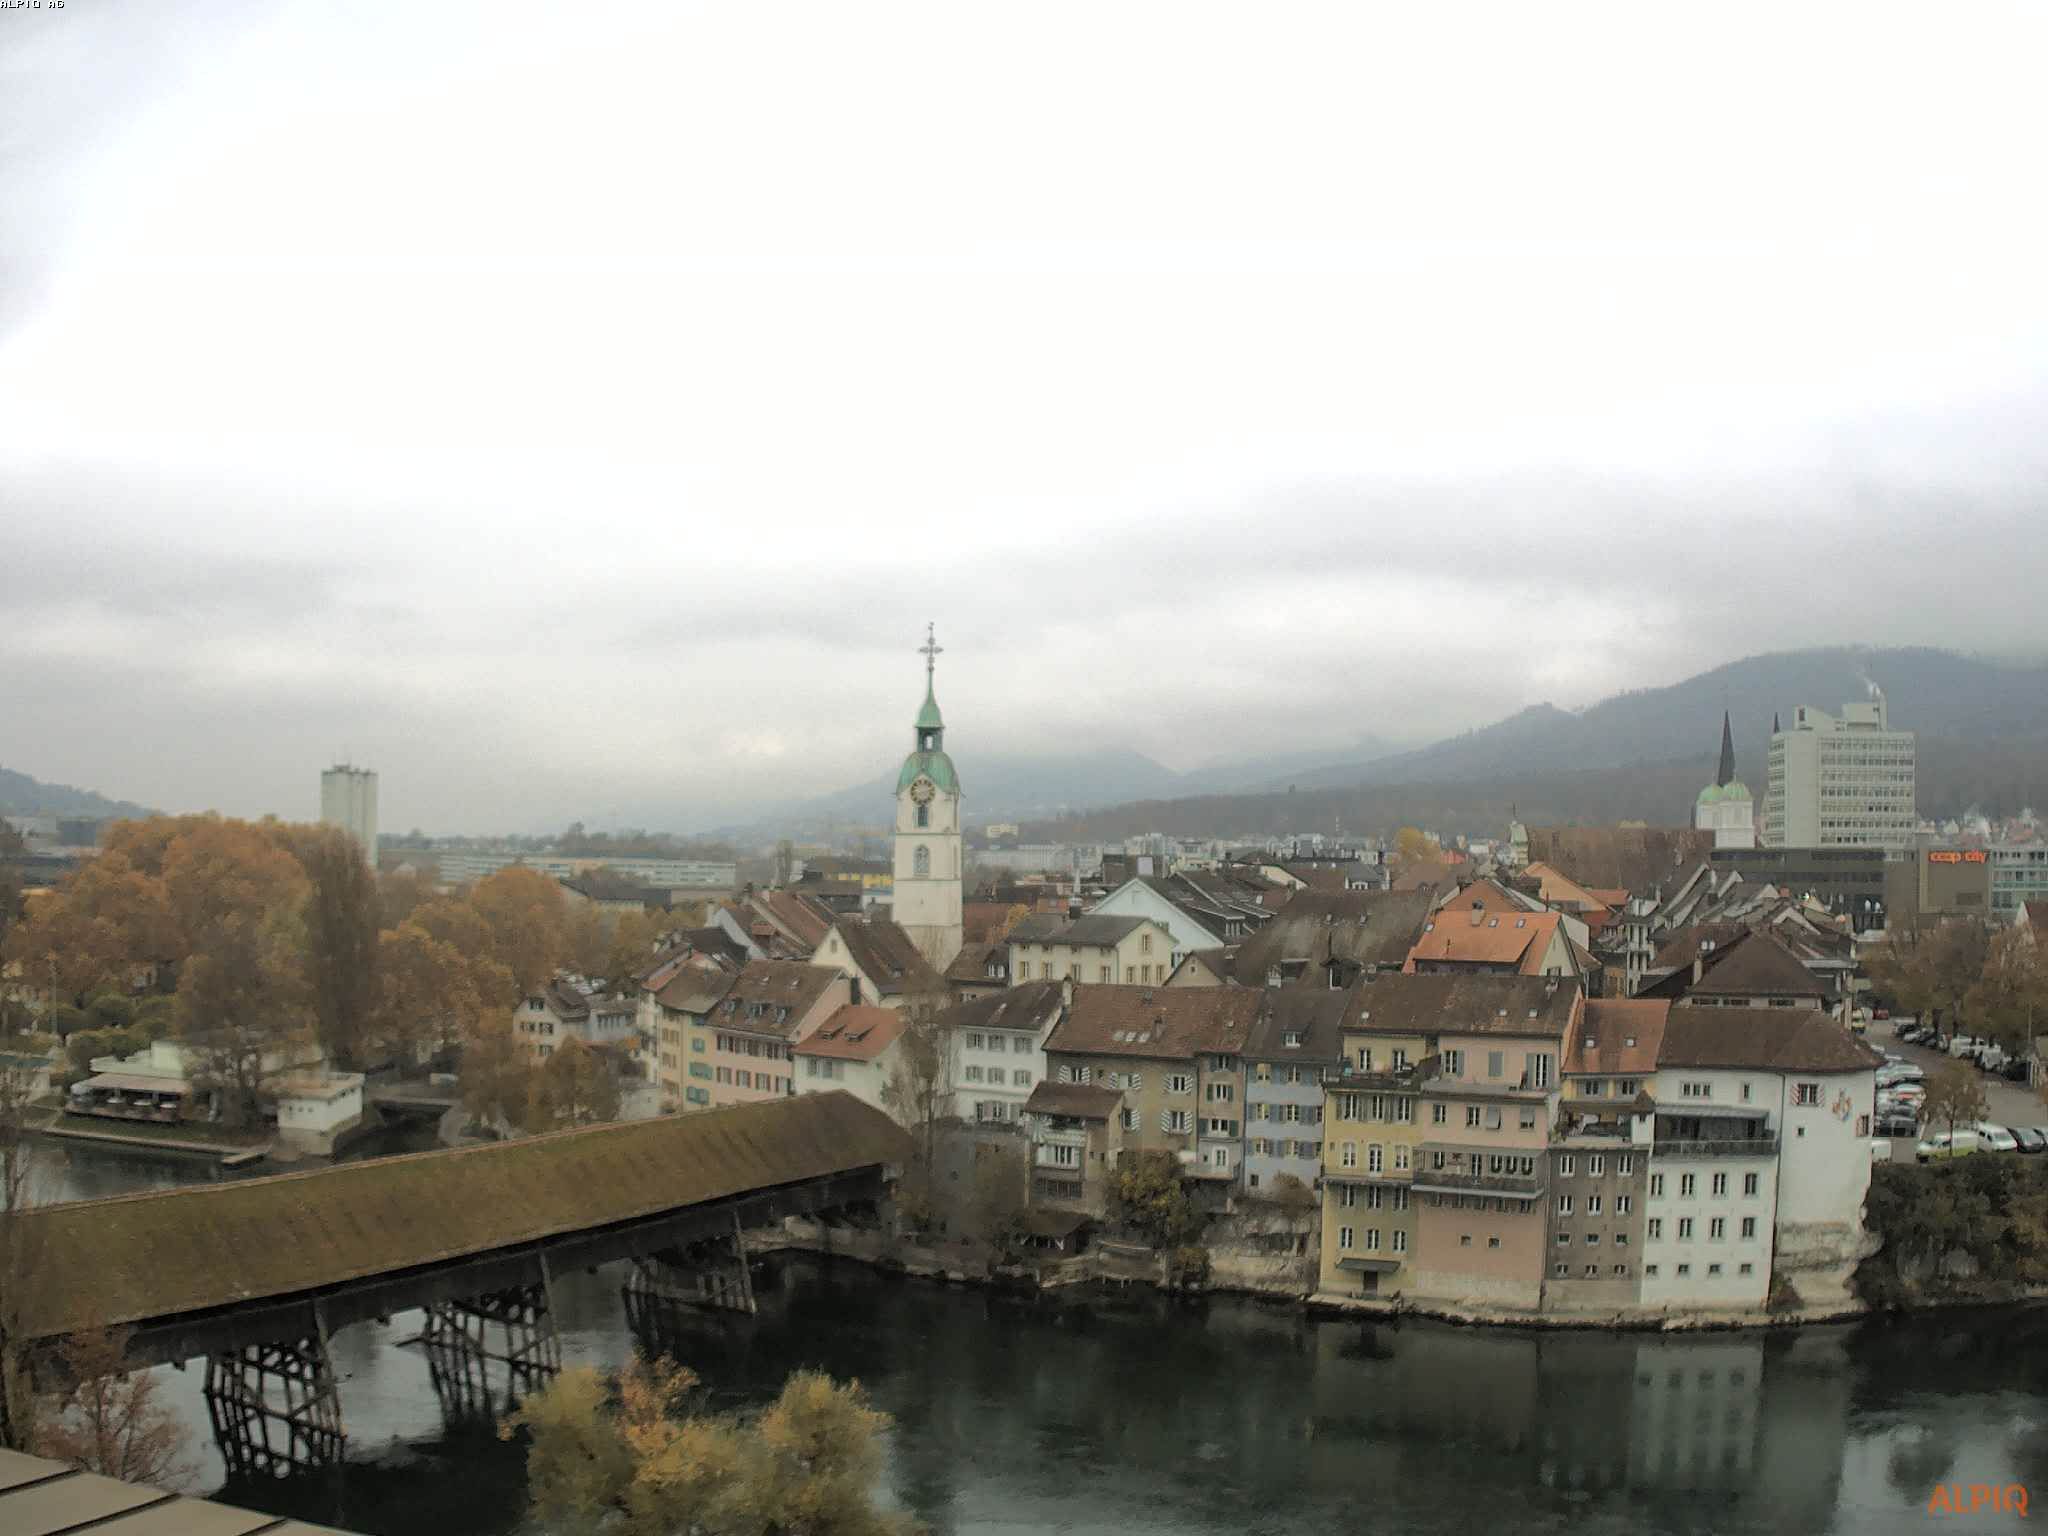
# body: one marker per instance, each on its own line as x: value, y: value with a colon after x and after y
x: 582, y: 420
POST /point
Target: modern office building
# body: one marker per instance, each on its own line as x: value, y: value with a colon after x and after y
x: 348, y: 799
x: 1841, y: 782
x: 2019, y: 874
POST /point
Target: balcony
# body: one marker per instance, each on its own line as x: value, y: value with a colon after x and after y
x: 1050, y: 1157
x: 1465, y: 1173
x: 1726, y: 1146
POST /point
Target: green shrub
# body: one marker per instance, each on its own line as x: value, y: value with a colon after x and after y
x: 156, y: 1018
x: 64, y: 1019
x: 111, y: 1011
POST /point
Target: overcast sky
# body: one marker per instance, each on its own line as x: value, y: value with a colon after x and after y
x: 578, y: 411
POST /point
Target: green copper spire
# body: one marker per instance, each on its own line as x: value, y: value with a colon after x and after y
x: 928, y: 756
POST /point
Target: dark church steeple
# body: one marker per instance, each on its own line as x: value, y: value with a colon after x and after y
x: 1726, y: 774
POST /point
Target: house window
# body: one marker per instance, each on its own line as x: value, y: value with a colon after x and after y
x: 974, y: 1074
x: 1625, y: 1164
x: 1626, y: 1087
x: 1720, y: 1185
x: 1179, y: 1082
x: 1696, y: 1090
x: 1372, y: 1239
x: 1684, y: 1270
x: 1347, y: 1195
x: 1592, y: 1205
x: 1219, y: 1093
x: 1291, y: 1038
x: 1564, y: 1239
x: 1748, y: 1227
x: 974, y: 1042
x: 1656, y: 1186
x: 1566, y: 1166
x: 1539, y: 1070
x: 1686, y: 1182
x: 1749, y: 1184
x: 921, y: 861
x: 924, y: 816
x: 1623, y: 1204
x: 1650, y: 1271
x: 1374, y: 1158
x: 1020, y: 1078
x: 1130, y: 1119
x: 1496, y: 1063
x: 1438, y: 1114
x: 1348, y: 1158
x: 1806, y: 1094
x: 1400, y: 1157
x: 1400, y: 1061
x: 1654, y: 1229
x: 1454, y: 1063
x: 1472, y: 1117
x: 1176, y: 1120
x: 1717, y: 1228
x: 1559, y: 1271
x: 1144, y: 943
x: 1365, y: 1058
x: 1564, y: 1205
x: 1595, y: 1166
x: 1400, y: 1241
x: 1685, y: 1229
x: 1746, y: 1269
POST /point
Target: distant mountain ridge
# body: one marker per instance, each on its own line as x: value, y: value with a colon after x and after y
x: 21, y: 795
x: 1642, y: 753
x: 1937, y: 693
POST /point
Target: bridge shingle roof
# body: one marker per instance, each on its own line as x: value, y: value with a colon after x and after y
x: 102, y: 1263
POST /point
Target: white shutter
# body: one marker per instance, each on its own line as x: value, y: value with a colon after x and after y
x: 1166, y: 1120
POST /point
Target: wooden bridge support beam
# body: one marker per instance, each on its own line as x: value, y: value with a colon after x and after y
x: 274, y: 1407
x: 513, y: 1328
x: 712, y: 1273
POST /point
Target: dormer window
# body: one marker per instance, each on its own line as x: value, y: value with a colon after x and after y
x: 1291, y: 1039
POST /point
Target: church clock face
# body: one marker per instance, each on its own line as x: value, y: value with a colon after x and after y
x: 921, y: 791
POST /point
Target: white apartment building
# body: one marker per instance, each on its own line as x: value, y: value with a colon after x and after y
x: 997, y: 1046
x: 709, y: 876
x: 348, y: 799
x: 1761, y: 1158
x: 1841, y: 782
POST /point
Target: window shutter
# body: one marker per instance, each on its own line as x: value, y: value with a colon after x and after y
x: 1166, y: 1120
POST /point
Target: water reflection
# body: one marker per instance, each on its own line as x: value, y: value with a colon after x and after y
x: 1134, y: 1414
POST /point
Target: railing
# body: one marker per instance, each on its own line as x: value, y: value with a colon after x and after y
x: 1465, y: 1179
x: 1755, y: 1146
x: 1045, y: 1157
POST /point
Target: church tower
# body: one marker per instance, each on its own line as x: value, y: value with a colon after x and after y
x: 929, y: 852
x: 1724, y: 807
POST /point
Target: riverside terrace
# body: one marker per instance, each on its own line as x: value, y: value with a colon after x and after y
x: 257, y: 1275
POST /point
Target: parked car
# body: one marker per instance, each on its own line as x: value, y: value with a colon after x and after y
x: 2032, y: 1138
x: 1894, y: 1058
x: 1946, y: 1144
x: 1900, y: 1072
x: 1995, y: 1138
x: 1899, y: 1122
x: 1963, y: 1045
x: 2017, y: 1070
x: 1908, y: 1096
x: 1990, y: 1058
x: 1882, y: 1013
x: 1915, y: 1034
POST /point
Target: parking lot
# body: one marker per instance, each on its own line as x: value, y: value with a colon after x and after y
x: 2011, y: 1103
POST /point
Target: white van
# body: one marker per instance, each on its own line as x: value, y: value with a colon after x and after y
x: 1962, y: 1045
x: 1943, y: 1144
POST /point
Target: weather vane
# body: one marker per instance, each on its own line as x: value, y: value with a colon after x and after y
x: 930, y: 652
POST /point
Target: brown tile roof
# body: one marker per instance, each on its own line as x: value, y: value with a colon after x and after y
x: 1162, y: 1023
x: 697, y: 987
x: 1392, y: 1003
x: 1429, y: 874
x: 772, y: 996
x: 101, y: 1263
x: 1765, y: 1039
x: 800, y: 918
x: 565, y: 1002
x: 971, y: 964
x: 1617, y: 1037
x: 1632, y: 858
x: 887, y: 956
x: 1755, y: 965
x: 857, y: 1032
x: 1075, y: 1101
x: 1359, y: 927
x: 1101, y: 930
x: 983, y: 922
x: 1316, y: 1015
x: 1682, y: 946
x: 1031, y: 1006
x: 1495, y: 938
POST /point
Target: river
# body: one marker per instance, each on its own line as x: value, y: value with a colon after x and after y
x: 1138, y: 1414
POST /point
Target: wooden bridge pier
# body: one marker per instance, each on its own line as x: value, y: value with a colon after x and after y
x: 711, y: 1273
x: 274, y: 1407
x: 513, y: 1327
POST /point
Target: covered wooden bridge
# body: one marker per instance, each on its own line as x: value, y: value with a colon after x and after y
x: 257, y: 1275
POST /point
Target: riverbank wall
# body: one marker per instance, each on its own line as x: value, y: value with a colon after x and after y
x: 1285, y: 1280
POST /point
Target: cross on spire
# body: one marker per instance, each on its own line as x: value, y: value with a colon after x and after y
x: 930, y: 651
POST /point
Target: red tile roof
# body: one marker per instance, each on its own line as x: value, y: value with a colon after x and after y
x: 1617, y: 1037
x: 1162, y: 1023
x: 1486, y: 938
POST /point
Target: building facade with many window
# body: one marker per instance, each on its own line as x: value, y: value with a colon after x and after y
x: 1841, y: 781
